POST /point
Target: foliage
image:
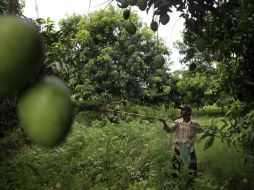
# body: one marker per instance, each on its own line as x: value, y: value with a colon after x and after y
x: 193, y: 89
x: 103, y: 155
x: 212, y: 86
x: 220, y: 31
x: 11, y: 7
x: 8, y: 116
x: 240, y: 128
x: 227, y: 37
x: 223, y: 160
x: 132, y: 154
x: 189, y: 8
x: 236, y: 129
x: 198, y: 88
x: 90, y: 54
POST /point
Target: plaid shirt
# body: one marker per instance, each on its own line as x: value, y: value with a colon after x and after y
x: 184, y: 132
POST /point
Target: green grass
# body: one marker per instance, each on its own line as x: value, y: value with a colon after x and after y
x: 130, y: 154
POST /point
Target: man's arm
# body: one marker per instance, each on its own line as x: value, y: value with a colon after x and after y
x: 166, y: 127
x: 198, y: 128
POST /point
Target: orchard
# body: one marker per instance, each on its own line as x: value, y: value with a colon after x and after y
x: 80, y: 104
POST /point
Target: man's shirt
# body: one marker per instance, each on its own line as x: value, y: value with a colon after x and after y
x: 185, y: 132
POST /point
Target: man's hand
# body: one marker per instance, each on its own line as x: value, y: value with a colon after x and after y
x: 165, y: 126
x: 162, y: 120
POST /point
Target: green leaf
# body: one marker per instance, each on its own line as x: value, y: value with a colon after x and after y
x: 209, y: 143
x: 206, y: 134
x: 225, y: 123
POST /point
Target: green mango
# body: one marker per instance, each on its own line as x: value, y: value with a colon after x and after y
x: 20, y: 54
x: 126, y: 14
x: 164, y: 19
x: 131, y: 49
x: 154, y: 26
x: 46, y: 112
x: 131, y: 28
x: 142, y: 4
x: 192, y: 66
x: 158, y: 61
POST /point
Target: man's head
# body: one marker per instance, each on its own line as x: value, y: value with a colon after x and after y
x: 185, y: 110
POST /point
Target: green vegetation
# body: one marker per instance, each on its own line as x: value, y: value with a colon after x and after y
x: 105, y: 63
x: 130, y: 154
x: 108, y: 63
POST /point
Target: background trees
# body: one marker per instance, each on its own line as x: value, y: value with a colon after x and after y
x: 221, y: 31
x: 97, y: 57
x: 226, y: 35
x: 11, y: 7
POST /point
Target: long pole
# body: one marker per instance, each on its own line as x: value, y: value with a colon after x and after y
x: 141, y: 115
x: 98, y: 108
x: 130, y: 113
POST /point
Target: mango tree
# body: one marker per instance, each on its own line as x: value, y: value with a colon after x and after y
x: 98, y: 58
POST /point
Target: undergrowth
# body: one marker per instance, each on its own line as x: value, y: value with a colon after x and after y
x: 130, y: 153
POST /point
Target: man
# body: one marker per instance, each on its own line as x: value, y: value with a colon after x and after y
x: 184, y: 139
